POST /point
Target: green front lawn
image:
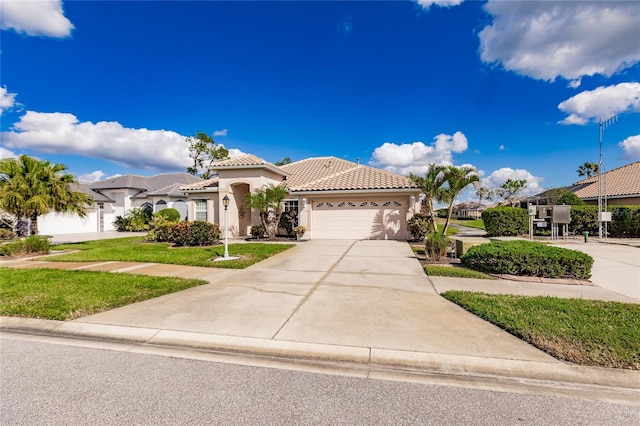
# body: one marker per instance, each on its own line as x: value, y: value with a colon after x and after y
x: 455, y: 271
x: 136, y: 249
x: 66, y: 295
x: 587, y: 332
x: 473, y: 223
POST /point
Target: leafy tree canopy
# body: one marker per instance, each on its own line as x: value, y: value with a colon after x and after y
x: 203, y: 151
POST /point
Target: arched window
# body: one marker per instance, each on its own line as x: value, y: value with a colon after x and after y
x: 161, y: 205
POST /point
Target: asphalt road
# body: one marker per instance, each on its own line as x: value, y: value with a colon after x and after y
x: 53, y: 384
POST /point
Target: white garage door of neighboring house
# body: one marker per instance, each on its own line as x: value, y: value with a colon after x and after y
x: 383, y: 219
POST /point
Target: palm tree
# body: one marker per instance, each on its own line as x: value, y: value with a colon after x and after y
x: 457, y: 179
x: 30, y: 188
x: 268, y: 200
x: 484, y: 193
x: 430, y: 186
x: 588, y: 169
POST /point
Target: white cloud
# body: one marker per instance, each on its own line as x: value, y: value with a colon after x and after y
x: 500, y: 176
x: 416, y: 157
x: 631, y: 147
x: 222, y: 132
x: 91, y: 177
x: 234, y: 152
x: 502, y: 148
x: 5, y: 153
x: 601, y: 102
x: 7, y: 100
x: 35, y: 18
x: 63, y: 133
x: 426, y: 4
x: 569, y: 39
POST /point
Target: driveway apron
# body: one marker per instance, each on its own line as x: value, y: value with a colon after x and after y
x: 371, y: 294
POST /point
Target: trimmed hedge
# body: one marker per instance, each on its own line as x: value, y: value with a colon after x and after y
x: 169, y: 214
x: 197, y: 233
x: 505, y: 221
x: 528, y: 258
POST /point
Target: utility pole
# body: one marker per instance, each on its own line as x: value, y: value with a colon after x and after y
x: 602, y: 201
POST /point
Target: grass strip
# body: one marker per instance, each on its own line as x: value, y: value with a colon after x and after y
x: 586, y: 332
x: 471, y: 223
x: 136, y: 249
x: 66, y: 295
x: 455, y: 271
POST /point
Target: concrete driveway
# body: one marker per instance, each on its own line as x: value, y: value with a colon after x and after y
x: 370, y: 294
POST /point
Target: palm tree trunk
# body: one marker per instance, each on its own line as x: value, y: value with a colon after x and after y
x: 33, y: 225
x: 446, y: 224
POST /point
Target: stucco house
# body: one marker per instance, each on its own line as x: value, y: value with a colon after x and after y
x: 331, y: 197
x: 115, y: 197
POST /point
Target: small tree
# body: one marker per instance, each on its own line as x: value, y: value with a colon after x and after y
x: 203, y: 151
x: 510, y: 190
x: 457, y: 179
x: 430, y: 186
x: 268, y: 200
x: 588, y: 169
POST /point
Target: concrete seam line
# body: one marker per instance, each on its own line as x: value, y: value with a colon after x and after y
x: 313, y: 289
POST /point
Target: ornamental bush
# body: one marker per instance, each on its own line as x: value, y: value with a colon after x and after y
x: 170, y: 214
x: 418, y: 225
x: 528, y: 258
x: 33, y: 244
x: 505, y: 221
x: 197, y: 233
x: 584, y: 219
x: 625, y: 220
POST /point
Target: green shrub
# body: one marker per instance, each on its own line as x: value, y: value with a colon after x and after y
x: 203, y: 234
x: 172, y: 215
x: 584, y: 219
x: 528, y: 258
x: 571, y: 199
x: 505, y: 221
x: 162, y: 229
x: 436, y: 246
x: 258, y: 231
x: 136, y: 219
x: 625, y: 221
x: 6, y: 234
x: 418, y: 225
x: 34, y: 244
x: 197, y: 233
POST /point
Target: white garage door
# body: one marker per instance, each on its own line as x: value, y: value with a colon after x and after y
x: 383, y: 219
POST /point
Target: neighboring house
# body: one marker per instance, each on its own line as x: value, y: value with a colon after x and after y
x: 468, y: 210
x: 115, y: 197
x: 621, y: 186
x: 332, y: 198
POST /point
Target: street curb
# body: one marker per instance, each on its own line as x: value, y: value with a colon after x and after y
x: 373, y: 358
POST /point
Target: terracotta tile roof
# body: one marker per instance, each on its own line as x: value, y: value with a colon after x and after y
x: 203, y: 184
x: 331, y: 173
x: 618, y: 182
x: 245, y: 161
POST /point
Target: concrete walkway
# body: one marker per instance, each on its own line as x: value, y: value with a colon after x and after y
x: 362, y: 302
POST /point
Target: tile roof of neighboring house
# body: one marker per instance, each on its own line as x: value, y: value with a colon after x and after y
x: 244, y: 162
x: 620, y: 182
x: 145, y: 183
x: 331, y: 173
x: 203, y: 184
x: 97, y: 196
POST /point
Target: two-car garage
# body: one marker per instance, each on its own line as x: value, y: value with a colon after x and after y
x: 380, y: 218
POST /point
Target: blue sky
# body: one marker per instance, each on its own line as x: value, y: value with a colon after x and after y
x: 513, y: 88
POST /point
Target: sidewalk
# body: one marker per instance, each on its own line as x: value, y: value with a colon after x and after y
x: 360, y: 304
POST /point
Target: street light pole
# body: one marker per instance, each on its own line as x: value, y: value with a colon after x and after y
x: 225, y: 203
